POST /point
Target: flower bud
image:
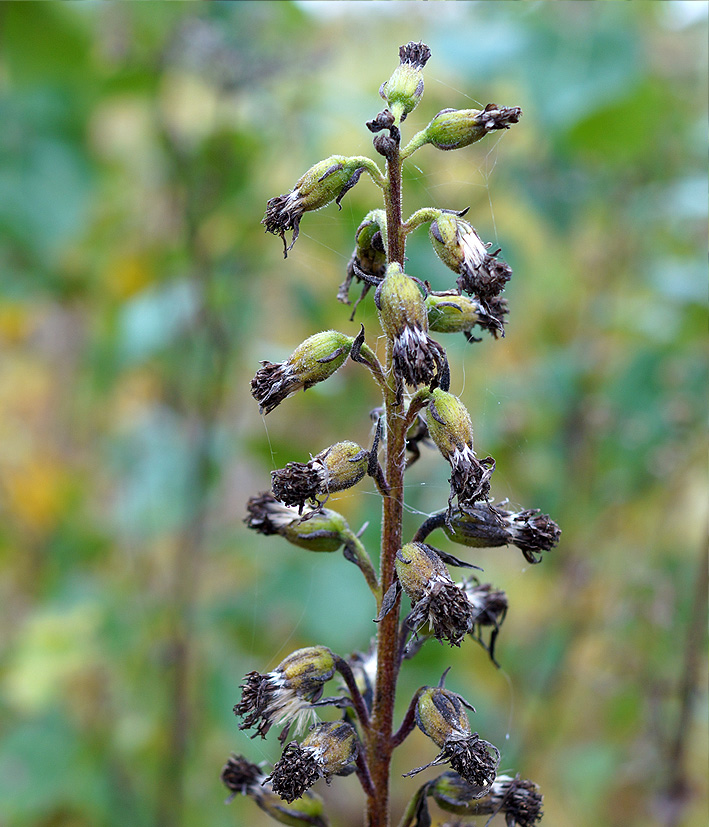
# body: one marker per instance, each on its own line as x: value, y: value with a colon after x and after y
x: 404, y: 318
x: 327, y: 750
x: 313, y: 361
x: 435, y: 598
x: 456, y: 128
x: 484, y: 526
x: 286, y: 695
x: 320, y: 530
x: 460, y: 248
x: 450, y: 428
x: 327, y: 181
x: 404, y: 89
x: 440, y: 714
x: 338, y: 467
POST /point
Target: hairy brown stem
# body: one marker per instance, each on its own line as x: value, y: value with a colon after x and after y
x: 379, y: 743
x: 358, y: 702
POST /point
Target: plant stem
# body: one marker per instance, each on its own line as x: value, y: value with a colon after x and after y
x: 379, y: 743
x: 360, y: 557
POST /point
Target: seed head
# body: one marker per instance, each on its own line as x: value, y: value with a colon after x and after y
x: 320, y: 530
x: 240, y: 776
x: 440, y: 714
x: 456, y: 128
x: 285, y: 695
x: 404, y: 89
x: 327, y: 750
x: 313, y: 361
x: 338, y: 467
x: 450, y: 428
x: 486, y: 526
x: 327, y: 181
x: 404, y: 318
x: 461, y: 249
x: 435, y: 598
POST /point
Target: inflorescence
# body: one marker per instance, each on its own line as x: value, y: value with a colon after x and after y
x: 418, y: 409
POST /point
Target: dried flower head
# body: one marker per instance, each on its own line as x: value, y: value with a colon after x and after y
x: 459, y: 247
x: 489, y: 611
x: 403, y: 315
x: 434, y: 596
x: 450, y: 428
x: 313, y: 361
x: 328, y: 749
x: 440, y: 714
x: 338, y: 467
x: 241, y: 776
x: 486, y: 526
x: 457, y: 128
x: 327, y: 181
x: 286, y: 695
x: 321, y: 530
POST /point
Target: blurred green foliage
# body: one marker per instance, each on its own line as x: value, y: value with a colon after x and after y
x: 139, y: 144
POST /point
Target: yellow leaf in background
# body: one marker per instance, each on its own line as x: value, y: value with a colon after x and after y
x: 36, y: 492
x: 128, y: 274
x: 51, y: 651
x: 15, y: 323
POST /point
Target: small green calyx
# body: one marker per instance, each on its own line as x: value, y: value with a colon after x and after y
x: 336, y: 745
x: 477, y: 527
x: 459, y: 247
x: 444, y: 233
x: 321, y: 530
x: 318, y: 357
x: 400, y: 303
x: 346, y: 464
x: 417, y: 565
x: 451, y: 313
x: 404, y: 89
x: 449, y: 423
x: 338, y: 467
x: 441, y: 713
x: 305, y: 670
x: 458, y: 128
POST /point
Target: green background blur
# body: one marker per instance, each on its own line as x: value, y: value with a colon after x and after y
x: 139, y: 143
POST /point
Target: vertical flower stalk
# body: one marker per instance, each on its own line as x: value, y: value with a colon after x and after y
x: 417, y: 408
